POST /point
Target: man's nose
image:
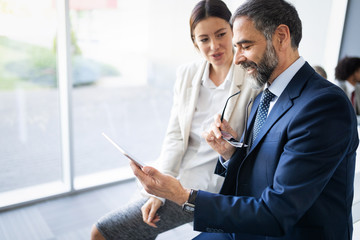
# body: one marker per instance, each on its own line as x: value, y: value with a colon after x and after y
x: 239, y: 58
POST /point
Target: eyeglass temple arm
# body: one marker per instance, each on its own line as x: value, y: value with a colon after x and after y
x: 246, y: 119
x: 222, y: 115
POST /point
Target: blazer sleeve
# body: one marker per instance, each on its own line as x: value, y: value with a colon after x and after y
x: 318, y: 140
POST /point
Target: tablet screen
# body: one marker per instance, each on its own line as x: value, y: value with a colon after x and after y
x: 123, y: 151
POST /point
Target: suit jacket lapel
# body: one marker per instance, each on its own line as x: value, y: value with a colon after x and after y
x: 284, y: 103
x: 281, y: 106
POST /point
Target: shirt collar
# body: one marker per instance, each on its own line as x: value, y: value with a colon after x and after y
x: 349, y: 87
x: 206, y: 81
x: 280, y: 83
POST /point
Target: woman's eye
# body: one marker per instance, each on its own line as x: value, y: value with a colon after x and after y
x: 203, y: 40
x: 221, y: 34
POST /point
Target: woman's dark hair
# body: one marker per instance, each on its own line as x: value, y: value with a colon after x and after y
x: 208, y: 8
x: 267, y: 15
x: 346, y: 67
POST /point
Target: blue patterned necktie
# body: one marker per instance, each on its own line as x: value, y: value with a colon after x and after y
x: 262, y: 112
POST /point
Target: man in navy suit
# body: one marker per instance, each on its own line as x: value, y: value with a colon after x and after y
x: 293, y: 177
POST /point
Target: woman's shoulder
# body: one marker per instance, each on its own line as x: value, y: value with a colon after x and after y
x: 187, y: 73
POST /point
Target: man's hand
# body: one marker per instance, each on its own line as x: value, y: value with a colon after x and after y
x: 214, y: 137
x: 161, y: 185
x: 149, y: 210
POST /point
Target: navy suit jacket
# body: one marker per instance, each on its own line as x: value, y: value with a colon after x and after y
x: 296, y: 181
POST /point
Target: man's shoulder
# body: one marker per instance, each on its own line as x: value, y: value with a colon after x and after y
x: 319, y: 87
x: 325, y: 85
x: 309, y: 88
x: 314, y: 83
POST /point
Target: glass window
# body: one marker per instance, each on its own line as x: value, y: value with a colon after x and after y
x: 113, y: 92
x: 30, y: 153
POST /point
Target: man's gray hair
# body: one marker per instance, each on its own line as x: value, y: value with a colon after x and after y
x: 267, y: 15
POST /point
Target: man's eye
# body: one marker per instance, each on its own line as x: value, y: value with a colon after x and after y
x: 221, y: 34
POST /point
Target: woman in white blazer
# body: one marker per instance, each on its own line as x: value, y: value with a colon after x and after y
x: 200, y: 92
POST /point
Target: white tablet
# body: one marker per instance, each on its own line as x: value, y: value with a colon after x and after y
x: 123, y: 151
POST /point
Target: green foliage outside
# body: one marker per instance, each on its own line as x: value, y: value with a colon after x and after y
x: 31, y: 66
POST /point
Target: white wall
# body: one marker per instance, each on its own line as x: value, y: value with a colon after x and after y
x: 350, y: 44
x: 170, y: 44
x: 323, y: 22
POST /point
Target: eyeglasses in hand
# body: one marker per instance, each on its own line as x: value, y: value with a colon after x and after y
x: 227, y: 136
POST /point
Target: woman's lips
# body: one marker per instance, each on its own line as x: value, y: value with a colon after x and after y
x: 217, y: 56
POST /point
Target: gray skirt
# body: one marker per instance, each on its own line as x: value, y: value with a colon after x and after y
x: 127, y: 223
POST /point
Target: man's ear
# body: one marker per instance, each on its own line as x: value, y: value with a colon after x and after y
x: 282, y: 36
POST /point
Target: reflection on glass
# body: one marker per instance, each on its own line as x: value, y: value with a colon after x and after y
x: 114, y: 95
x: 29, y: 102
x: 124, y: 60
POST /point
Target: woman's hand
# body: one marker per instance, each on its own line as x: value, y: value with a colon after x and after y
x: 214, y: 137
x: 149, y: 211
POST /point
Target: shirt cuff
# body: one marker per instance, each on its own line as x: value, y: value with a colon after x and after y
x: 224, y: 162
x: 145, y: 194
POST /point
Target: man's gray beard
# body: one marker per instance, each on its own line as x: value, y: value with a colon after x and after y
x: 254, y: 83
x: 265, y: 68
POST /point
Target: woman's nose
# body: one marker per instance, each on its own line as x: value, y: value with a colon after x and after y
x: 214, y: 44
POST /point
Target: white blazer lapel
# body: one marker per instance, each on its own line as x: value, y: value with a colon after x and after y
x: 192, y: 94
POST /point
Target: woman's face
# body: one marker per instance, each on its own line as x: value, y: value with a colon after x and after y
x: 213, y: 38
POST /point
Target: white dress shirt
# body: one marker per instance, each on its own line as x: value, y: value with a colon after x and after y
x: 280, y: 83
x: 210, y: 102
